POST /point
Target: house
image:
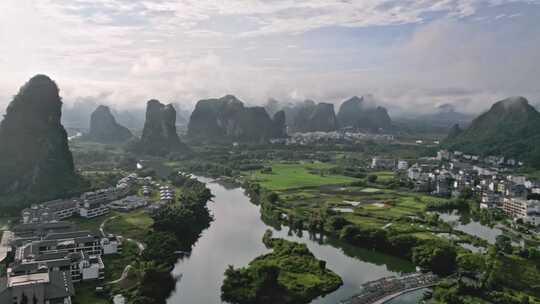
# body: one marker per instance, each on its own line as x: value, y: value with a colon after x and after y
x: 166, y: 193
x: 41, y: 287
x: 491, y: 200
x: 520, y: 208
x: 93, y: 209
x: 78, y: 253
x: 24, y: 233
x: 402, y: 165
x: 80, y: 265
x: 443, y: 184
x: 516, y: 190
x: 383, y: 163
x: 443, y: 155
x: 414, y: 172
x: 60, y: 242
x: 129, y: 203
x: 50, y: 211
x: 111, y: 244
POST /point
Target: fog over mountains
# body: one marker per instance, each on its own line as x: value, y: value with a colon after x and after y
x: 366, y: 112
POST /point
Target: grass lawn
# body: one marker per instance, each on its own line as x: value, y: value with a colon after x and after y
x: 90, y: 224
x: 133, y: 225
x: 290, y: 176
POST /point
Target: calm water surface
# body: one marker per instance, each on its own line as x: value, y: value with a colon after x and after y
x: 463, y: 222
x: 235, y: 238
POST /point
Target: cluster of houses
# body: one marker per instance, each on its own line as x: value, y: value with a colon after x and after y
x: 166, y: 193
x: 51, y: 254
x: 344, y: 135
x: 90, y: 204
x: 451, y: 173
x: 49, y: 258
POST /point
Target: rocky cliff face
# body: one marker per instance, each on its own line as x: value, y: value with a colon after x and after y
x: 35, y: 160
x: 312, y: 117
x: 354, y: 113
x: 227, y: 119
x: 104, y: 128
x: 159, y: 135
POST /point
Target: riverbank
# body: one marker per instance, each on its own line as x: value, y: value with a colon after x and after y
x: 236, y: 230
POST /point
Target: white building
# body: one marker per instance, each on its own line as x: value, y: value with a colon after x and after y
x: 402, y: 165
x: 111, y: 245
x: 520, y: 208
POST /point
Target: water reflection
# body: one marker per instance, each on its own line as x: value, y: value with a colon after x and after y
x: 463, y: 221
x: 234, y: 238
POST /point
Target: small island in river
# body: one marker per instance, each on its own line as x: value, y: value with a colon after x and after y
x: 289, y: 274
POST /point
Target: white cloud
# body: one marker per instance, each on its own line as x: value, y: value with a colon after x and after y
x: 166, y: 49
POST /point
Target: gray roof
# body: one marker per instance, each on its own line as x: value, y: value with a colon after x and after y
x: 59, y: 286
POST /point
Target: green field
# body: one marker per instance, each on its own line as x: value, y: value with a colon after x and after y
x: 90, y: 224
x: 299, y: 175
x: 383, y: 176
x: 303, y: 190
x: 133, y: 225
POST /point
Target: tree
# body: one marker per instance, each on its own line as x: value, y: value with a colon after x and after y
x: 471, y: 262
x: 436, y: 256
x: 503, y: 244
x: 272, y: 197
x: 161, y: 247
x: 372, y: 178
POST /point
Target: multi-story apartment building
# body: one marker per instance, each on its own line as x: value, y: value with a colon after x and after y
x: 93, y: 209
x: 521, y: 208
x: 50, y: 211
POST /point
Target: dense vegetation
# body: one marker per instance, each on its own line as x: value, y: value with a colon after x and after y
x: 289, y: 274
x: 509, y: 128
x: 35, y: 160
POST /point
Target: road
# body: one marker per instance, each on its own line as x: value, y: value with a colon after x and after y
x: 140, y: 246
x: 122, y: 277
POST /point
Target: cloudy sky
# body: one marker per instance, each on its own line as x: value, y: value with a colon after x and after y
x: 411, y: 54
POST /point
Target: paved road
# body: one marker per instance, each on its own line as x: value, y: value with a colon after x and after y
x: 122, y: 277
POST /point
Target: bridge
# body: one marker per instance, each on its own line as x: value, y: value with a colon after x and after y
x: 388, y: 288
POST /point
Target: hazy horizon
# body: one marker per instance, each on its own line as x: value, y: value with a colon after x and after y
x: 412, y: 56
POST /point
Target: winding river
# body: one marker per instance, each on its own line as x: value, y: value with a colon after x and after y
x: 235, y: 238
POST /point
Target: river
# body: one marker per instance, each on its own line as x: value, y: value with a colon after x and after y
x: 235, y: 238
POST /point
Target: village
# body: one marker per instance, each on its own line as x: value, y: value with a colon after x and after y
x: 491, y: 178
x: 50, y: 253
